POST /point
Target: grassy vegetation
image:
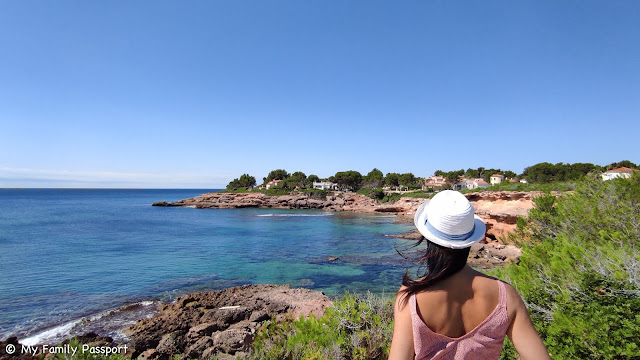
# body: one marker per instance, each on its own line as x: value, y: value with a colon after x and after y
x: 542, y: 187
x: 379, y: 195
x: 313, y: 193
x: 419, y: 194
x: 234, y: 191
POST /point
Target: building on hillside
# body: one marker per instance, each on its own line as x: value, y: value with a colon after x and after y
x: 496, y: 179
x: 272, y: 184
x: 434, y: 182
x: 325, y: 185
x: 460, y: 185
x: 621, y: 172
x: 479, y: 183
x: 469, y: 183
x: 512, y: 180
x: 523, y: 181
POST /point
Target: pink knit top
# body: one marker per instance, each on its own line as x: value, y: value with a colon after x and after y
x: 483, y: 342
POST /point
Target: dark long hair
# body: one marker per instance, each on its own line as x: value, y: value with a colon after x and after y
x: 435, y: 262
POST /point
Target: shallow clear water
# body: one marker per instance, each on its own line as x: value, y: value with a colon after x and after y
x: 71, y: 253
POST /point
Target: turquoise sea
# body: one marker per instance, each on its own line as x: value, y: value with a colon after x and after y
x: 75, y: 260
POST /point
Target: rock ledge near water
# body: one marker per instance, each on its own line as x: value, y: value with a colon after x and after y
x: 220, y: 323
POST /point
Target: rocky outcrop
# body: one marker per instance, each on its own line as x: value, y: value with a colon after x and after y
x: 500, y: 210
x: 205, y: 324
x: 335, y: 201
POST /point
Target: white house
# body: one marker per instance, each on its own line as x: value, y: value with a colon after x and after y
x: 622, y: 172
x: 325, y: 185
x: 469, y: 184
x: 523, y: 181
x: 496, y: 179
x: 272, y: 184
x: 479, y: 183
x: 461, y: 184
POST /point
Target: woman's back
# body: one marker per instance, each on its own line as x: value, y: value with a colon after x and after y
x: 462, y: 320
x: 455, y: 306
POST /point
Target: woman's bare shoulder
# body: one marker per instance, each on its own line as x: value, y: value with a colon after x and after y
x: 401, y: 299
x: 515, y: 304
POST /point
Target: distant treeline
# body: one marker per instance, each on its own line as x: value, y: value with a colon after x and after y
x: 350, y: 179
x: 547, y: 172
x: 481, y: 172
x: 353, y: 180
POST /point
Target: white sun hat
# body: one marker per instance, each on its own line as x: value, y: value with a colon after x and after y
x: 448, y: 220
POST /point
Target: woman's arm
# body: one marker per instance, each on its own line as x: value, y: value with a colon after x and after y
x: 521, y: 331
x: 402, y: 342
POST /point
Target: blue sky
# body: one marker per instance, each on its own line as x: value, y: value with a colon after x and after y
x: 193, y: 94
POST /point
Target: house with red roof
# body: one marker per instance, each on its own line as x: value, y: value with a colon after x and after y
x: 435, y: 182
x: 621, y: 172
x: 272, y: 184
x: 496, y: 179
x: 479, y: 183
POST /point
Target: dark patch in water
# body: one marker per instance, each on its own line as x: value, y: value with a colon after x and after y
x: 392, y: 259
x: 363, y: 282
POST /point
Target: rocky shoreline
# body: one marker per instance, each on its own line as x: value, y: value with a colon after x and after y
x: 203, y: 324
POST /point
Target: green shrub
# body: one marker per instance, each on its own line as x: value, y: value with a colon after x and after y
x: 316, y: 193
x: 233, y: 191
x: 356, y: 327
x: 276, y: 191
x: 374, y: 193
x: 392, y: 197
x: 420, y: 194
x: 580, y: 270
x: 560, y: 186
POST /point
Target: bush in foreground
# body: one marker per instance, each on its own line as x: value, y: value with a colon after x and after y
x: 580, y: 270
x: 356, y: 327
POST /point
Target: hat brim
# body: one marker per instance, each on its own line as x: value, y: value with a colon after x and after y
x: 420, y: 220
